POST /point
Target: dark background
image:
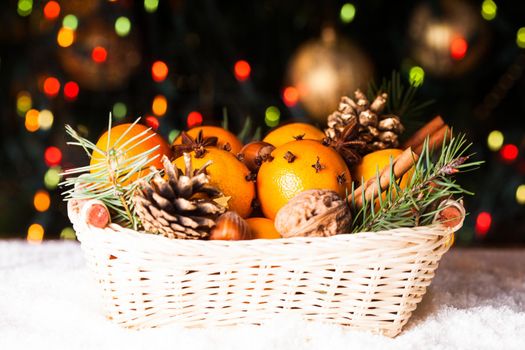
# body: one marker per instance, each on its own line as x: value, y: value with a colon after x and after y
x: 201, y: 41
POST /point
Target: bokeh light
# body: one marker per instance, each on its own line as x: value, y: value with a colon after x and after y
x: 194, y: 119
x: 159, y: 71
x: 99, y: 54
x: 51, y: 86
x: 520, y: 37
x: 52, y: 178
x: 151, y: 5
x: 45, y: 119
x: 458, y: 48
x: 509, y: 153
x: 51, y: 10
x: 520, y: 194
x: 71, y: 90
x: 347, y: 13
x: 25, y: 7
x: 23, y: 102
x: 31, y: 122
x: 159, y: 105
x: 489, y: 10
x: 122, y: 26
x: 495, y: 140
x: 68, y: 233
x: 173, y: 135
x: 416, y: 76
x: 290, y: 96
x: 242, y: 70
x: 119, y: 110
x: 70, y: 21
x: 52, y: 156
x: 41, y: 200
x: 272, y: 116
x: 65, y: 37
x: 152, y: 122
x: 483, y: 222
x: 35, y: 234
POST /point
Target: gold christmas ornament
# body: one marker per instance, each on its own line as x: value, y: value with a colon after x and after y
x: 447, y: 38
x: 318, y: 213
x: 325, y: 69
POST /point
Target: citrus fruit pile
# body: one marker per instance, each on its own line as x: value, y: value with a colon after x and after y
x: 254, y: 180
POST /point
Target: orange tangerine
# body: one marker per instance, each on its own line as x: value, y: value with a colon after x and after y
x: 298, y: 166
x: 263, y: 228
x: 293, y: 131
x: 375, y: 162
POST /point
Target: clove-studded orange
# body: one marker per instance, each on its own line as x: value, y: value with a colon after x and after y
x: 293, y: 131
x: 297, y: 166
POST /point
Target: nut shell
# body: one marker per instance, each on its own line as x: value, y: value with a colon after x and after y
x: 231, y: 227
x: 314, y: 213
x: 255, y: 153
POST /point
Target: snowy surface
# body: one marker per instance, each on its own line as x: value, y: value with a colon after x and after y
x: 47, y: 301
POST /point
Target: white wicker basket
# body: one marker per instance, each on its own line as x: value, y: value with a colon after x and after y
x: 371, y: 280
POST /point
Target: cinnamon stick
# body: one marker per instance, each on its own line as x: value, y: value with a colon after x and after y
x: 435, y: 140
x: 428, y: 129
x: 401, y: 165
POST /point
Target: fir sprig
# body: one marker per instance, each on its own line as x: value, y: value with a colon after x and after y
x: 109, y: 179
x: 401, y: 99
x: 417, y: 204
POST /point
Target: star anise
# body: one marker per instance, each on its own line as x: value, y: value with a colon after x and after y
x: 347, y: 143
x: 197, y: 145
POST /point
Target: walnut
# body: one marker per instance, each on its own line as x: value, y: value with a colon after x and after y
x: 314, y: 213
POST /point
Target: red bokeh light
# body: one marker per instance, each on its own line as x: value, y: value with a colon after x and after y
x: 290, y: 96
x: 194, y: 119
x: 99, y: 54
x: 509, y: 153
x: 483, y: 222
x: 159, y: 71
x: 52, y: 156
x: 242, y: 70
x: 51, y: 10
x: 71, y: 90
x: 458, y: 48
x: 51, y: 86
x: 152, y: 122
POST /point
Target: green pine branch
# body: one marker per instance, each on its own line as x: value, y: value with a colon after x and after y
x: 108, y: 180
x: 417, y: 204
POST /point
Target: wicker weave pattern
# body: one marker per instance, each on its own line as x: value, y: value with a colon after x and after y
x: 370, y: 281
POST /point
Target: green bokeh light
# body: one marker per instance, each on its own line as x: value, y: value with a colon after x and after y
x: 416, y: 76
x: 347, y: 13
x: 272, y: 116
x: 489, y: 10
x: 151, y: 5
x: 68, y: 233
x: 122, y: 26
x: 25, y: 7
x: 173, y: 135
x: 70, y: 21
x: 119, y: 110
x: 520, y: 37
x: 52, y: 178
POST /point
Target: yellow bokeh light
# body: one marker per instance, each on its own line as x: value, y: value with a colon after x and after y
x: 23, y: 102
x: 45, y: 119
x: 65, y: 37
x: 31, y: 122
x: 159, y: 105
x: 520, y: 194
x: 495, y: 140
x: 35, y: 234
x: 41, y: 201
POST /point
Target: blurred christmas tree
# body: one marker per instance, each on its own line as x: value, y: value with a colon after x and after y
x: 180, y: 64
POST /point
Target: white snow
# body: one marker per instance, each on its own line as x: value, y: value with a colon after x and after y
x: 48, y: 301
